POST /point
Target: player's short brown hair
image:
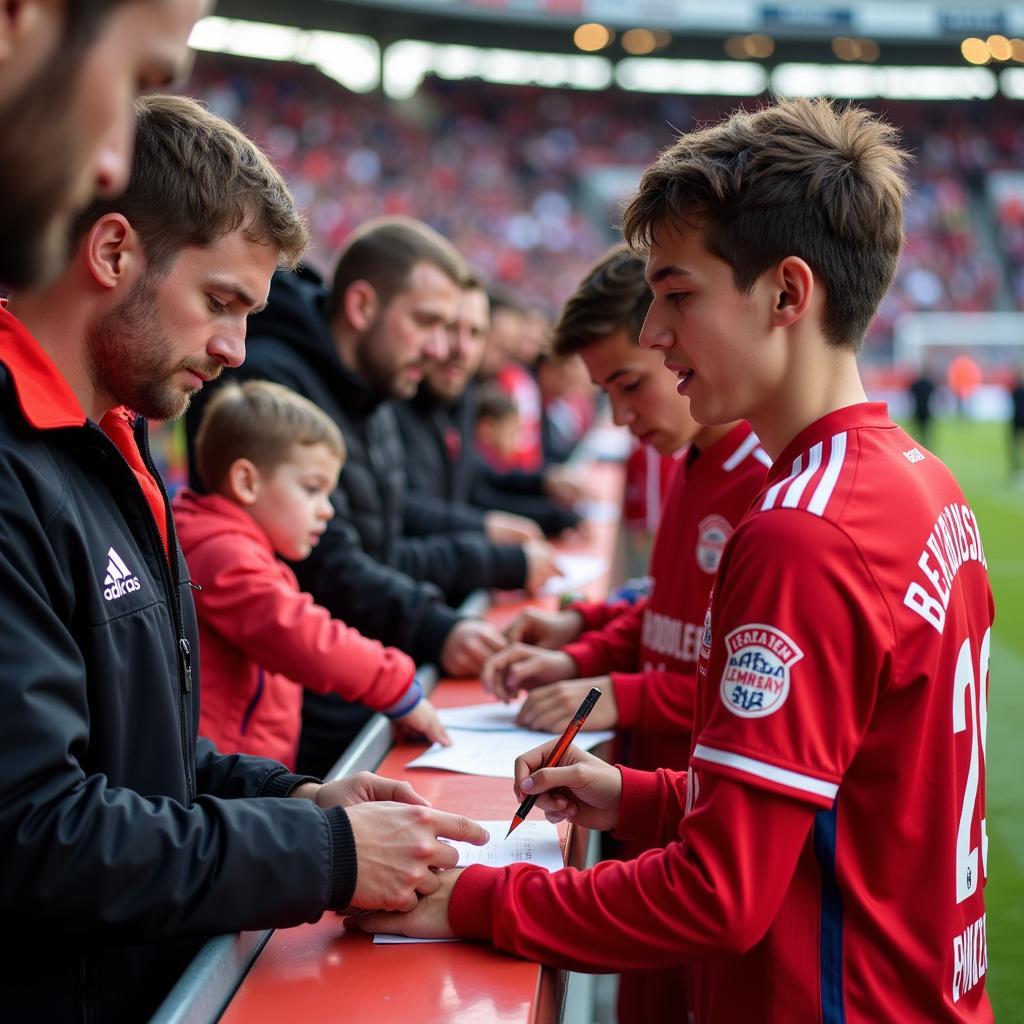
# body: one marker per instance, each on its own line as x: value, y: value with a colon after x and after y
x: 613, y: 295
x: 384, y: 251
x: 262, y: 422
x: 798, y: 178
x: 194, y: 178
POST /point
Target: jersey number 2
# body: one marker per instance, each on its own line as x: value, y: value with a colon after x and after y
x: 975, y: 691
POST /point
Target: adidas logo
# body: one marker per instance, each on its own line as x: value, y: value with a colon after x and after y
x: 119, y: 579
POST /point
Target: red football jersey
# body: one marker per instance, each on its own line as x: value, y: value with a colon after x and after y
x: 830, y: 852
x: 648, y: 477
x: 845, y: 666
x: 651, y: 649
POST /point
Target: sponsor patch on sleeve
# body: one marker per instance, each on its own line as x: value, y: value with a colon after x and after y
x: 758, y: 659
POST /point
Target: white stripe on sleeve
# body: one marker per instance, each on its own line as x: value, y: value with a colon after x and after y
x: 773, y: 491
x: 827, y: 484
x: 746, y: 446
x: 796, y: 488
x: 764, y: 770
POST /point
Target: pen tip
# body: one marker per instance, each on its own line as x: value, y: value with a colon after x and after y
x: 516, y: 822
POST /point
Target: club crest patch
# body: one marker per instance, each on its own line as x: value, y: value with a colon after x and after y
x: 758, y: 659
x: 712, y: 533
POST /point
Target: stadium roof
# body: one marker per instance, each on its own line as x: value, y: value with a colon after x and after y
x: 902, y: 31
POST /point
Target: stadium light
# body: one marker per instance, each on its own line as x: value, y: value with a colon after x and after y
x: 697, y: 77
x: 891, y: 83
x: 1011, y: 83
x: 408, y: 61
x: 353, y: 61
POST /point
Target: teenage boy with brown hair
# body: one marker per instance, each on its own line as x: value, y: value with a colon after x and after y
x: 828, y: 850
x: 126, y: 838
x: 644, y: 656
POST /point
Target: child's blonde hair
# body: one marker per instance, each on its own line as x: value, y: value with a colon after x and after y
x: 262, y: 422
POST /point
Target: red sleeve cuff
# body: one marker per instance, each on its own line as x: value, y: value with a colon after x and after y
x: 469, y: 912
x: 639, y: 807
x: 596, y: 614
x: 627, y: 697
x: 588, y: 661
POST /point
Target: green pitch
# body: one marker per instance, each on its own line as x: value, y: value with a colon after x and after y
x: 978, y: 455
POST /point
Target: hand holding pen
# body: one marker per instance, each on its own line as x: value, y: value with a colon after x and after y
x: 566, y: 782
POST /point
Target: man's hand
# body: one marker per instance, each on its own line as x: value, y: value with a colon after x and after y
x: 552, y: 630
x: 521, y: 667
x: 423, y: 721
x: 357, y: 789
x: 468, y: 645
x: 507, y: 528
x: 399, y: 852
x: 549, y: 708
x: 427, y: 920
x: 582, y: 788
x: 540, y: 564
x: 564, y: 485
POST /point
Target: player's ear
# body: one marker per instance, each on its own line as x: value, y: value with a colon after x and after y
x: 19, y: 21
x: 792, y: 283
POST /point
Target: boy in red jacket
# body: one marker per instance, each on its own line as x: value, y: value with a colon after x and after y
x: 270, y: 459
x: 826, y: 853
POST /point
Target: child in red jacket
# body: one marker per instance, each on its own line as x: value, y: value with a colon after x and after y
x: 270, y: 460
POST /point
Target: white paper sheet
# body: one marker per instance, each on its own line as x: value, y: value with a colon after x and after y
x: 490, y: 752
x: 490, y: 717
x: 534, y: 842
x: 577, y: 572
x: 594, y: 511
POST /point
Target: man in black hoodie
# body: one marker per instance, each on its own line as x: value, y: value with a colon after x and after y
x: 437, y: 427
x: 390, y: 567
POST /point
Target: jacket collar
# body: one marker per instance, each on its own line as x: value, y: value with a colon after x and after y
x: 45, y: 397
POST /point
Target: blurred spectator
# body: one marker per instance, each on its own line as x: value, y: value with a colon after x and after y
x: 920, y: 392
x: 964, y: 377
x: 498, y: 424
x: 1017, y: 427
x: 567, y: 403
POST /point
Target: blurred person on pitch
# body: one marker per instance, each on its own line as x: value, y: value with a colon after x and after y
x: 642, y: 656
x: 437, y: 430
x: 128, y: 838
x: 825, y: 854
x: 68, y: 75
x: 1016, y: 438
x: 270, y: 460
x: 390, y: 564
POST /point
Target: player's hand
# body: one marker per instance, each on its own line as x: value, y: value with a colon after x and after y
x: 468, y: 645
x: 427, y: 920
x: 564, y: 485
x: 581, y: 788
x: 550, y: 708
x: 521, y: 667
x: 399, y: 850
x: 545, y: 629
x: 423, y: 721
x: 357, y: 789
x: 507, y: 528
x: 540, y: 564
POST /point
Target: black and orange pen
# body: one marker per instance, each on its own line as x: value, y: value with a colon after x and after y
x: 556, y: 753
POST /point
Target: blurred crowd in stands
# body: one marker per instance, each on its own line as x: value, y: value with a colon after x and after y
x: 503, y: 172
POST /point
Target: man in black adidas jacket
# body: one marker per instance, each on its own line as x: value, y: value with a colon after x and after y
x: 125, y: 839
x: 390, y: 564
x: 438, y: 425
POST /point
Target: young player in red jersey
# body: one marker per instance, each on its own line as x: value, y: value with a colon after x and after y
x: 645, y: 657
x: 829, y: 853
